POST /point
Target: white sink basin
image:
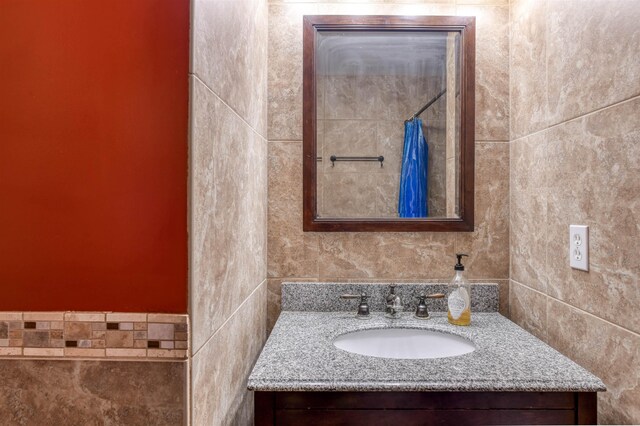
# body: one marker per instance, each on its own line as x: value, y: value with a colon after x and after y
x: 404, y: 343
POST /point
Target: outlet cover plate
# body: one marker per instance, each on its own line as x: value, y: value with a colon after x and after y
x: 579, y: 247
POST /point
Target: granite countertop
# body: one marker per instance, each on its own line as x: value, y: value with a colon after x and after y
x: 300, y: 356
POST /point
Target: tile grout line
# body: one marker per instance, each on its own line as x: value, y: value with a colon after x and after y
x: 578, y: 309
x: 195, y: 76
x: 579, y: 117
x: 249, y: 296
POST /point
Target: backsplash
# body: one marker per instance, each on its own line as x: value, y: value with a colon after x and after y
x: 325, y: 297
x: 93, y: 335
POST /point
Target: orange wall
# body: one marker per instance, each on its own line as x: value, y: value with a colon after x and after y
x: 93, y: 154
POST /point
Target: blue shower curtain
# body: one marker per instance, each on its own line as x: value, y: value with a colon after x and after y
x: 413, y: 178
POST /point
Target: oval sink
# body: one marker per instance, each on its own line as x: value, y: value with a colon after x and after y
x: 404, y: 343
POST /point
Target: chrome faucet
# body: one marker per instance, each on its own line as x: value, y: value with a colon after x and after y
x: 394, y: 304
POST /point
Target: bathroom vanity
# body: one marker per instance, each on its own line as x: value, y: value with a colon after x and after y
x: 510, y: 378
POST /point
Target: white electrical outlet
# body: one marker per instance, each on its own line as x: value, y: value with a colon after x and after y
x: 579, y: 247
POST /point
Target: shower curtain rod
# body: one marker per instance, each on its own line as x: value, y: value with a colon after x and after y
x: 427, y: 105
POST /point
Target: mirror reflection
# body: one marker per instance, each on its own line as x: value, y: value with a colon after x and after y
x: 387, y: 124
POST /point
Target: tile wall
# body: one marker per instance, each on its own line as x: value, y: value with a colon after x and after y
x: 228, y: 205
x: 575, y: 155
x: 297, y: 256
x: 91, y: 392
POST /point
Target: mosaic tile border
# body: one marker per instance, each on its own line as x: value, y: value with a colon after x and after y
x: 94, y: 335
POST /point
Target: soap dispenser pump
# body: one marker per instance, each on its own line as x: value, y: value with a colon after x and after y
x: 459, y: 296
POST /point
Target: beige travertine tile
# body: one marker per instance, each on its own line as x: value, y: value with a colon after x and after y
x: 291, y: 251
x: 503, y: 296
x: 230, y: 54
x: 225, y: 362
x: 527, y: 70
x: 274, y: 298
x: 168, y: 318
x: 386, y: 255
x: 77, y: 330
x: 528, y: 210
x: 10, y: 316
x: 126, y: 352
x: 84, y: 316
x: 85, y: 352
x: 483, y: 2
x: 229, y: 212
x: 125, y: 316
x: 285, y: 70
x: 350, y: 138
x: 390, y: 7
x: 43, y: 316
x: 56, y: 352
x: 594, y: 179
x: 349, y: 195
x: 160, y: 331
x: 387, y: 188
x: 36, y: 339
x: 125, y: 326
x: 10, y: 351
x: 390, y: 138
x: 590, y: 69
x: 492, y: 70
x: 528, y: 309
x: 92, y: 392
x: 166, y: 353
x: 57, y: 325
x: 140, y: 335
x: 56, y: 343
x: 488, y: 244
x: 610, y: 352
x: 119, y: 339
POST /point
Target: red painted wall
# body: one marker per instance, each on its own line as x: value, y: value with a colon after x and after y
x: 93, y: 155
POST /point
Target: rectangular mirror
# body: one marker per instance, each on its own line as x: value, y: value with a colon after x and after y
x: 388, y: 123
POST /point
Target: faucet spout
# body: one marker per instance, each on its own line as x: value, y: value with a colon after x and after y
x: 394, y: 306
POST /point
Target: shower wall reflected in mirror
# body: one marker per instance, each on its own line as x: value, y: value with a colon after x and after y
x: 370, y: 87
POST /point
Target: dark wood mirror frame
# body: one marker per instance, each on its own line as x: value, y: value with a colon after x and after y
x: 466, y: 27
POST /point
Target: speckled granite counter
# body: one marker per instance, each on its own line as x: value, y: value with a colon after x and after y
x: 300, y: 356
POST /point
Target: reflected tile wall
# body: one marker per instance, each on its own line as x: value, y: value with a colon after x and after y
x: 294, y: 255
x: 574, y: 160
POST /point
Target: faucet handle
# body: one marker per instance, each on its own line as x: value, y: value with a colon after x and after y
x: 352, y: 296
x: 421, y: 310
x: 435, y: 296
x: 363, y: 307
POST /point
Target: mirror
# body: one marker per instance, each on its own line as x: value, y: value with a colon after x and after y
x: 388, y: 123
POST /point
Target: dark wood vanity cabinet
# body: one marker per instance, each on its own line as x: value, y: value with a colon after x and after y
x: 423, y: 408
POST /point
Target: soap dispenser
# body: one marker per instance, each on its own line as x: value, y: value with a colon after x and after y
x: 459, y: 296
